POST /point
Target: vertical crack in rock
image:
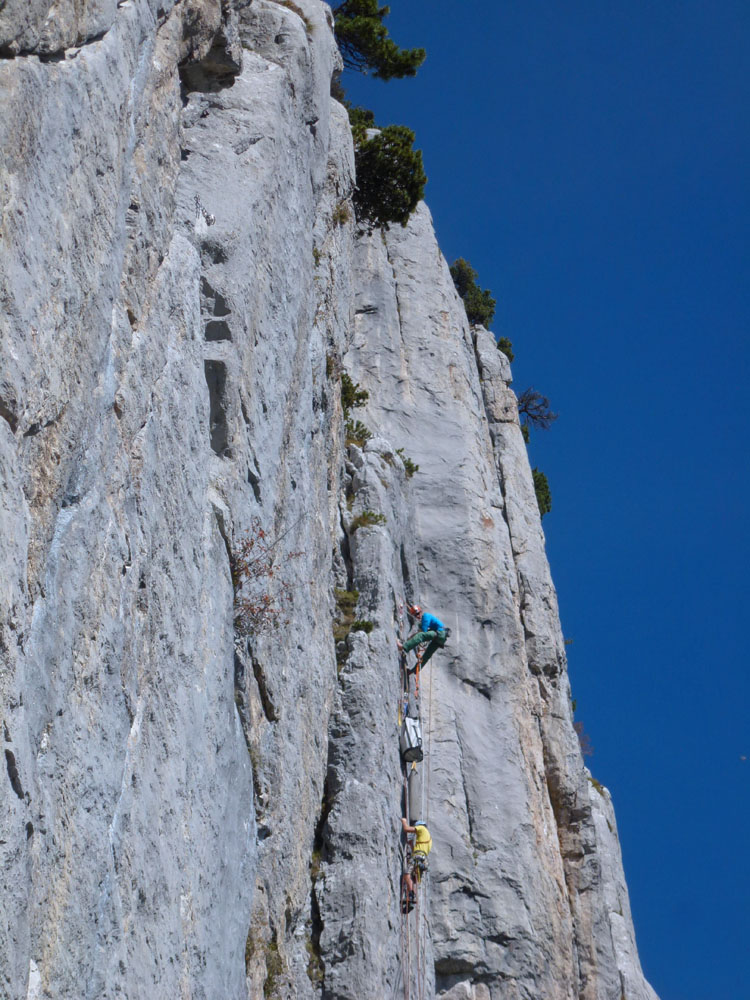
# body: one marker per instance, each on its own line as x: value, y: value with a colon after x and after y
x: 266, y: 701
x: 464, y: 786
x: 316, y: 963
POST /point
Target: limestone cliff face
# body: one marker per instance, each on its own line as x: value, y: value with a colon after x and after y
x: 187, y: 811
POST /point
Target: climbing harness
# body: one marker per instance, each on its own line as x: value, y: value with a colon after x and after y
x: 419, y: 864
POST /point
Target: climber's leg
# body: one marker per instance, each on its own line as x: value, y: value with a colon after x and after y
x: 417, y: 639
x: 438, y: 642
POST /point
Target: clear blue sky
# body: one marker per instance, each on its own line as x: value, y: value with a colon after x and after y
x: 590, y: 158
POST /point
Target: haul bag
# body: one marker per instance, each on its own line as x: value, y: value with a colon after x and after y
x: 411, y: 739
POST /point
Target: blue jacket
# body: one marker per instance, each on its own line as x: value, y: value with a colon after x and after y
x: 430, y: 623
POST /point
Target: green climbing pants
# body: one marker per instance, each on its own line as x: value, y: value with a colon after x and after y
x: 436, y: 640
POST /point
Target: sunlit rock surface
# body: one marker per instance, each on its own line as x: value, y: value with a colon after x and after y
x: 192, y: 812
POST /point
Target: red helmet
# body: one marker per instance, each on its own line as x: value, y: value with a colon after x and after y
x: 414, y: 610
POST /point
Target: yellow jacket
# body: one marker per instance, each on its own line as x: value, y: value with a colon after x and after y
x: 423, y: 840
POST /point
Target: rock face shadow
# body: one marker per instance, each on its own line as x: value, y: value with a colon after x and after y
x: 216, y: 380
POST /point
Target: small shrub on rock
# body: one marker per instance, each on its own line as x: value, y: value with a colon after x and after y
x: 409, y: 466
x: 478, y: 302
x: 504, y: 345
x: 346, y: 602
x: 366, y: 519
x: 363, y: 626
x: 352, y: 395
x: 262, y: 595
x: 357, y: 433
x: 341, y: 214
x: 543, y: 495
x: 599, y: 787
x: 274, y: 968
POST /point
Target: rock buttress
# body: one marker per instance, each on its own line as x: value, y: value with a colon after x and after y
x: 517, y: 893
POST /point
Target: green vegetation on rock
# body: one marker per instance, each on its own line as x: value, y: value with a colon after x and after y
x: 504, y: 345
x: 543, y: 495
x: 478, y: 302
x: 390, y: 175
x: 352, y: 394
x: 357, y: 433
x: 367, y: 519
x: 409, y: 466
x: 366, y: 45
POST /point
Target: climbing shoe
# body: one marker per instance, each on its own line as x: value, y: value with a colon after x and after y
x: 408, y: 901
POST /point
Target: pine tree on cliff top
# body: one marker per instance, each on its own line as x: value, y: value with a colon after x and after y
x: 390, y: 177
x: 365, y: 44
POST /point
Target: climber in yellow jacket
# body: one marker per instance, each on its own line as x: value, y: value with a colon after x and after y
x: 422, y: 847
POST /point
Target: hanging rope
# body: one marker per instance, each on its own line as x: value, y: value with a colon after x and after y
x: 404, y: 918
x: 428, y: 743
x: 422, y: 931
x: 408, y: 943
x: 411, y: 706
x: 419, y: 953
x: 403, y: 711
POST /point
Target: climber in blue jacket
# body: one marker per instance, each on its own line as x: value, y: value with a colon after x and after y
x: 431, y: 630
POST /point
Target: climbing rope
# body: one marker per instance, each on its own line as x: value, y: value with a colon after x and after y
x: 417, y: 671
x: 413, y: 978
x: 428, y: 742
x: 405, y: 948
x: 403, y: 711
x: 404, y: 918
x: 426, y: 798
x: 419, y: 953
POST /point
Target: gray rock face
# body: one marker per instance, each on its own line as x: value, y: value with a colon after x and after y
x: 194, y: 809
x: 517, y: 901
x: 47, y: 27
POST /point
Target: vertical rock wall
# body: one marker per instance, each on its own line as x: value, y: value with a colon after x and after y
x: 164, y: 382
x: 518, y: 898
x: 187, y: 810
